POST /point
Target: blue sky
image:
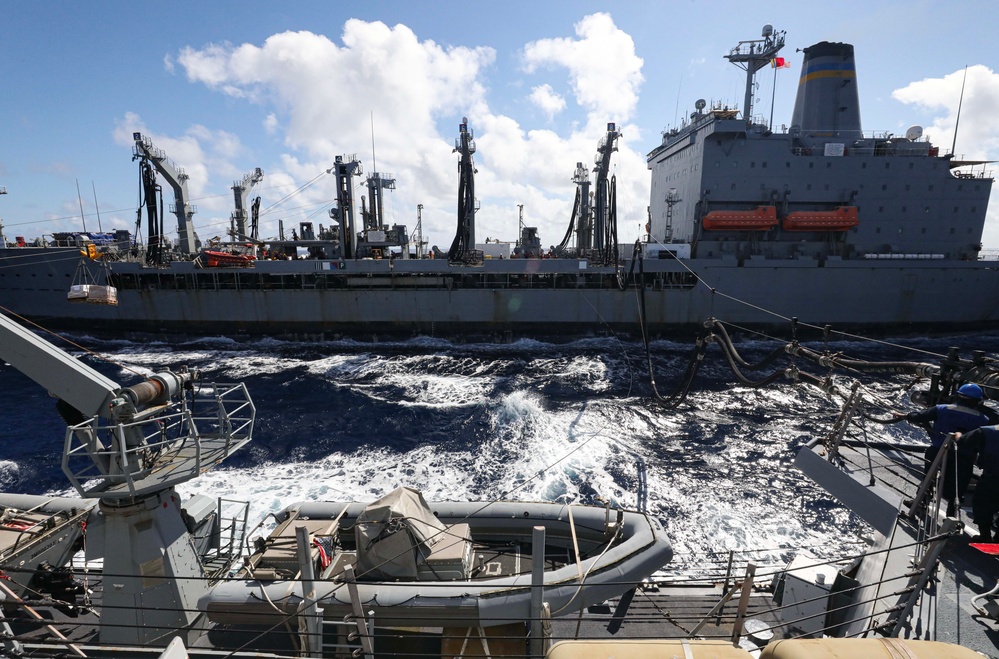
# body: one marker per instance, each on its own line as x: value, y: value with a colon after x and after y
x: 226, y: 87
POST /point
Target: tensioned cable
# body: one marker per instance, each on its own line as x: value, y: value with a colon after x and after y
x: 88, y: 351
x: 770, y: 312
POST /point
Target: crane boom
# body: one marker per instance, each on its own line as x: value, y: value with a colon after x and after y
x: 83, y: 388
x: 62, y: 375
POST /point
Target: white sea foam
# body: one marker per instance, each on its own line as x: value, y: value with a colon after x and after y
x: 716, y: 473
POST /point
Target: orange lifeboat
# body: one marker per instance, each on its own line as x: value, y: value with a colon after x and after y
x: 838, y: 219
x: 761, y: 218
x: 219, y: 259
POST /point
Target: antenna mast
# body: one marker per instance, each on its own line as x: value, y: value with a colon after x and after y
x: 753, y: 56
x: 99, y: 227
x: 80, y: 198
x: 957, y: 121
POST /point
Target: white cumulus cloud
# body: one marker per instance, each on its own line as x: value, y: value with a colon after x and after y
x: 321, y: 97
x: 603, y: 68
x: 547, y: 99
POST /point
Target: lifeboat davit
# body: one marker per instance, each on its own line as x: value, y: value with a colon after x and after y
x: 218, y: 259
x: 761, y: 218
x: 838, y: 219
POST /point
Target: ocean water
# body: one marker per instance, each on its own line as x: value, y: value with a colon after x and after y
x: 572, y: 422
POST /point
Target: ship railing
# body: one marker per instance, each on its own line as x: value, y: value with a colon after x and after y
x: 156, y: 153
x: 124, y: 460
x: 191, y: 208
x: 834, y: 610
x: 98, y: 455
x: 148, y: 150
x: 706, y: 568
x: 230, y: 531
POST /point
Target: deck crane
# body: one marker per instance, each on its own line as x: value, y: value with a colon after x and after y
x: 605, y: 206
x: 464, y: 240
x: 581, y: 221
x: 177, y: 178
x: 128, y: 447
x: 240, y: 192
x: 345, y: 167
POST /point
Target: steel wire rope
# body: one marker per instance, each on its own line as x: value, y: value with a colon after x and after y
x: 507, y: 494
x: 553, y: 464
x: 849, y: 335
x: 526, y: 482
x: 86, y: 350
x: 69, y: 257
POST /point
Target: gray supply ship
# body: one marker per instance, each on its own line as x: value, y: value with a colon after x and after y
x: 819, y: 222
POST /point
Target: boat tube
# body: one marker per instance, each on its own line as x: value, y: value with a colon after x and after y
x: 619, y: 549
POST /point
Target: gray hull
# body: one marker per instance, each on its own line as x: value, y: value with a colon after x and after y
x: 551, y: 297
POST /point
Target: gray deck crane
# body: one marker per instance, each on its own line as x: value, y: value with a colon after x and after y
x: 605, y: 202
x: 177, y: 178
x: 241, y: 191
x: 128, y: 447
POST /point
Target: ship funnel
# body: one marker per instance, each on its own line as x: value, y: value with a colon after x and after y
x: 828, y: 103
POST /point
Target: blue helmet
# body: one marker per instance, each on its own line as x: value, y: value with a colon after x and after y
x: 970, y: 391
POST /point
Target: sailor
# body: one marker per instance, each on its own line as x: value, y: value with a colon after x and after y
x: 983, y: 443
x: 967, y: 412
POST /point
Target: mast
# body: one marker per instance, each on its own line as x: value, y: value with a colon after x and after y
x: 464, y: 239
x: 584, y: 216
x: 603, y: 231
x: 419, y: 231
x: 177, y: 178
x: 375, y: 217
x: 957, y: 121
x: 752, y: 56
x: 3, y: 238
x: 240, y: 192
x: 345, y: 167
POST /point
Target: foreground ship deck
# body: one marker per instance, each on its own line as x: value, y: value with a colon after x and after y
x: 685, y: 599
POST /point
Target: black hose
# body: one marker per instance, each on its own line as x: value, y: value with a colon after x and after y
x: 678, y: 395
x: 766, y: 361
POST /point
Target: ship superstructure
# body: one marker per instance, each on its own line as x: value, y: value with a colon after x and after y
x: 729, y: 186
